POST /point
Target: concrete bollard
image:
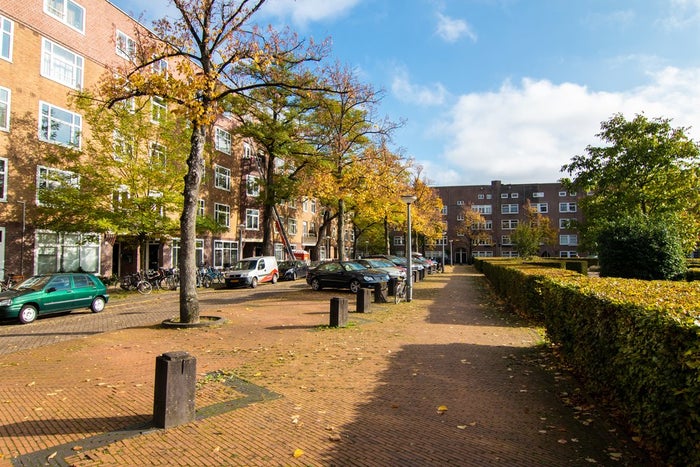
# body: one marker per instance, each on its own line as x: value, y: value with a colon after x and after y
x: 364, y: 301
x: 339, y: 312
x: 381, y: 293
x: 173, y: 400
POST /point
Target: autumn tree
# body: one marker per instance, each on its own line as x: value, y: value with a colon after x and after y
x: 532, y: 232
x: 213, y: 51
x: 473, y: 229
x: 426, y: 214
x: 342, y: 126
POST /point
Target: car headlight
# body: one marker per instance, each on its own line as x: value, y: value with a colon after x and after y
x: 368, y: 278
x: 6, y: 302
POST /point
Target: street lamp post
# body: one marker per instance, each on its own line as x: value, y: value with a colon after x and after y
x: 21, y: 245
x: 452, y: 259
x: 409, y: 199
x: 241, y: 227
x: 444, y: 240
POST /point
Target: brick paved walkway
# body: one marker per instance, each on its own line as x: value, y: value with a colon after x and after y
x: 444, y: 380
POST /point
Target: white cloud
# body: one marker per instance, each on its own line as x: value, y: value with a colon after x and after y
x: 406, y: 91
x: 526, y: 132
x: 682, y: 14
x: 304, y: 11
x: 452, y: 29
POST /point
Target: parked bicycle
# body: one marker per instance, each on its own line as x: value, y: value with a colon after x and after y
x: 400, y: 291
x: 7, y: 284
x: 172, y: 278
x: 136, y: 281
x: 208, y: 276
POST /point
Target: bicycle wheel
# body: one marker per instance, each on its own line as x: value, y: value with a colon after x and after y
x: 400, y: 292
x: 144, y: 287
x: 206, y: 281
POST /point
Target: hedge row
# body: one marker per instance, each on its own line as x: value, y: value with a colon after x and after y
x: 637, y: 342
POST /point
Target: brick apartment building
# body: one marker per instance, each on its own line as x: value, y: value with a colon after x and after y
x: 48, y: 50
x: 502, y: 207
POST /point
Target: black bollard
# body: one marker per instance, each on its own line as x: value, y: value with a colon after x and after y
x: 339, y: 312
x: 173, y: 401
x: 364, y: 301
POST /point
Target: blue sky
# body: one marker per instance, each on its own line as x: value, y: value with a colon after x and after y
x: 505, y: 90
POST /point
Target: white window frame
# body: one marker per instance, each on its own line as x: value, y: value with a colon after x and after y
x: 222, y: 140
x: 444, y: 211
x: 59, y: 9
x: 480, y: 196
x: 5, y: 108
x: 541, y: 208
x: 292, y: 226
x: 562, y: 194
x: 252, y: 219
x: 72, y: 251
x: 505, y: 240
x: 159, y: 109
x: 222, y: 212
x: 247, y: 151
x: 201, y: 207
x: 43, y: 182
x: 48, y: 120
x: 125, y: 46
x: 565, y: 223
x: 486, y: 209
x: 61, y: 65
x: 252, y: 185
x: 222, y: 177
x: 514, y: 195
x: 460, y: 203
x: 510, y: 209
x: 121, y: 146
x: 225, y: 251
x: 504, y: 195
x: 568, y: 239
x: 567, y: 207
x: 157, y: 154
x: 7, y: 27
x: 538, y: 194
x: 509, y: 224
x: 399, y: 240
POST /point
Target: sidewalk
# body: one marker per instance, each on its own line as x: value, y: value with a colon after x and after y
x: 444, y: 380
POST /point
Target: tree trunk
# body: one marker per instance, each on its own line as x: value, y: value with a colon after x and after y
x: 189, y: 303
x: 341, y: 230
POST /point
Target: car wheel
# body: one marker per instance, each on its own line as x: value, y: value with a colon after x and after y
x: 316, y: 284
x: 98, y: 304
x: 253, y: 282
x: 27, y: 314
x: 274, y: 278
x: 355, y: 286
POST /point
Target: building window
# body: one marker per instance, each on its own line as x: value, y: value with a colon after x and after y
x: 460, y: 203
x: 570, y: 239
x: 538, y: 194
x: 505, y: 240
x: 67, y: 252
x: 489, y: 196
x: 568, y: 254
x: 513, y: 195
x: 222, y: 140
x: 157, y: 153
x: 509, y: 224
x: 504, y: 195
x: 222, y: 214
x: 305, y: 205
x: 126, y: 46
x: 68, y: 12
x: 292, y: 226
x: 199, y: 251
x: 313, y: 206
x: 460, y: 217
x: 252, y: 219
x: 480, y: 196
x: 3, y: 179
x: 541, y: 207
x: 4, y: 109
x: 567, y: 207
x: 565, y: 223
x: 247, y: 151
x: 61, y: 65
x: 6, y: 33
x: 398, y: 240
x: 562, y: 194
x: 482, y: 208
x: 225, y: 253
x: 444, y: 210
x: 509, y: 209
x: 159, y: 109
x: 252, y: 185
x: 59, y: 126
x: 50, y: 179
x: 222, y: 178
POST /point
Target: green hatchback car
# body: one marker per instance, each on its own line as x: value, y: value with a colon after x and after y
x: 53, y: 293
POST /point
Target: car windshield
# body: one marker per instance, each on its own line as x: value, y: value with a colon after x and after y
x: 245, y: 265
x: 380, y: 263
x: 34, y: 282
x: 286, y: 264
x: 353, y: 266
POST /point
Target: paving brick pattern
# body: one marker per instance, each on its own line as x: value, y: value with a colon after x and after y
x: 448, y: 379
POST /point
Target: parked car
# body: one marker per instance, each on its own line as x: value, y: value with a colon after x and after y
x: 53, y: 293
x: 394, y: 271
x: 344, y: 275
x: 293, y: 270
x: 249, y: 272
x: 401, y: 262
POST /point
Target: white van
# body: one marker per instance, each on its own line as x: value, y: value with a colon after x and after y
x: 248, y: 272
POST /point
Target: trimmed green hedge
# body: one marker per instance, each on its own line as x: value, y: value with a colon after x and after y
x: 637, y: 342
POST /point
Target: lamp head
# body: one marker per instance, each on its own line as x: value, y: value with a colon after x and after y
x: 408, y: 199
